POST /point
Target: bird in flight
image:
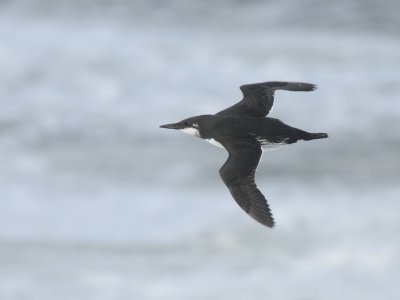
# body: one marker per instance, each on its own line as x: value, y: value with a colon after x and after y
x: 244, y: 131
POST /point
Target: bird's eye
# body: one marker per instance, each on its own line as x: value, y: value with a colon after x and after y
x: 186, y: 124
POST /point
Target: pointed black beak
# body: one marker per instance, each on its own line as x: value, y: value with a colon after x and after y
x: 172, y: 126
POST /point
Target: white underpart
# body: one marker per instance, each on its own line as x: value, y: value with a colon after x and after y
x: 268, y: 146
x: 191, y: 131
x: 195, y: 132
x: 215, y: 143
x: 262, y: 152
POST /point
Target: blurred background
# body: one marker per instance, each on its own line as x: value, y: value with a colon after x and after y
x: 97, y: 202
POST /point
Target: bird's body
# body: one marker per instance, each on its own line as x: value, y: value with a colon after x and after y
x: 270, y: 133
x: 244, y: 131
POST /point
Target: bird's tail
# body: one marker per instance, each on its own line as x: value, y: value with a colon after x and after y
x: 314, y: 136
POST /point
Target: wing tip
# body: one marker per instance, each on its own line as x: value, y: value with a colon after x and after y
x: 313, y: 87
x: 301, y: 86
x: 282, y: 85
x: 263, y: 216
x: 270, y: 223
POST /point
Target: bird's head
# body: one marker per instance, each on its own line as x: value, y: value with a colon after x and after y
x: 190, y: 125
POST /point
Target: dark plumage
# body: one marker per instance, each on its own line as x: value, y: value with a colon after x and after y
x: 244, y: 130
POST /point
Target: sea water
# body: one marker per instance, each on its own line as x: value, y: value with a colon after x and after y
x: 97, y: 202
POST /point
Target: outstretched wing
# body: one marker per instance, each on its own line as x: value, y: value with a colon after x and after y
x: 238, y: 175
x: 258, y: 98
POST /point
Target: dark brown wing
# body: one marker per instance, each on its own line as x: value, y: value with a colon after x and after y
x: 238, y: 175
x: 258, y: 98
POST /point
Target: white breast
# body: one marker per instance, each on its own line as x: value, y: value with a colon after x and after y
x: 215, y: 143
x: 195, y: 132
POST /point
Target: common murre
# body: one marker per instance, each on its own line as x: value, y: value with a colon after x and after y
x: 244, y: 131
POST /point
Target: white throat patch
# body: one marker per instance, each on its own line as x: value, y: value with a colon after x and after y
x: 191, y: 131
